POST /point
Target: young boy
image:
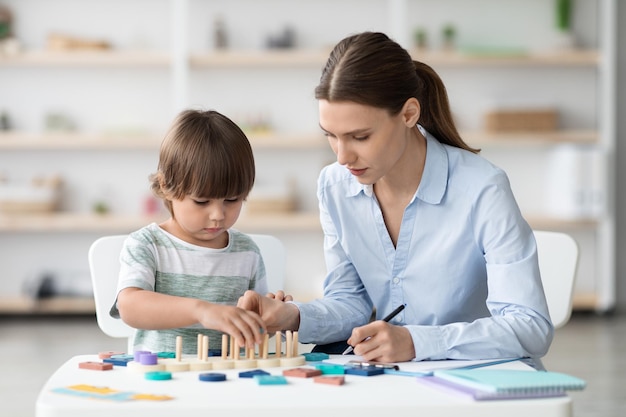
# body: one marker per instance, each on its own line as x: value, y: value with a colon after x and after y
x: 184, y: 276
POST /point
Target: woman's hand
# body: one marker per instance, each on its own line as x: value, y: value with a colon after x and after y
x: 382, y: 342
x: 280, y: 296
x: 274, y: 311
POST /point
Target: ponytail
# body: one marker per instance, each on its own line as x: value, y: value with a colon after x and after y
x: 435, y: 114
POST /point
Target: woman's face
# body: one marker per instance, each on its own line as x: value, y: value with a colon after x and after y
x: 367, y: 140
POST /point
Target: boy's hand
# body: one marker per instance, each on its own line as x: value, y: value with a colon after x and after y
x: 243, y: 325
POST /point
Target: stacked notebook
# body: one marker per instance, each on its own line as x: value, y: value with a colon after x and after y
x: 500, y: 384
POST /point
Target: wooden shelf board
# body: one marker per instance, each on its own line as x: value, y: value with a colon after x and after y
x: 269, y: 140
x: 119, y: 141
x: 55, y: 305
x: 550, y: 223
x: 585, y: 302
x: 86, y: 58
x: 77, y: 141
x: 529, y: 138
x: 313, y: 58
x: 567, y: 58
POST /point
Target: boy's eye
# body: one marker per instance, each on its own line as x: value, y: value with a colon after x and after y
x: 201, y: 202
x: 232, y: 200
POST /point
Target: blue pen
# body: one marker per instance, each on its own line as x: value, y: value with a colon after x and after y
x: 387, y: 319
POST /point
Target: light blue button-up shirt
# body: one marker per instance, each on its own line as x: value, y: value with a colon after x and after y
x: 465, y: 263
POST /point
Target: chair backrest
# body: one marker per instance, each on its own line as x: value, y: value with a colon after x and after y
x: 558, y: 263
x: 104, y: 267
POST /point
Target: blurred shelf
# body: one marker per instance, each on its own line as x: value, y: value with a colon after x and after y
x: 77, y: 141
x: 54, y: 305
x: 286, y: 58
x: 556, y: 224
x: 19, y: 141
x: 93, y: 59
x: 550, y: 58
x: 76, y: 222
x: 585, y: 302
x: 530, y: 138
x: 268, y: 140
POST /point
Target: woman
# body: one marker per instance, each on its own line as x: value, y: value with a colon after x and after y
x: 412, y: 215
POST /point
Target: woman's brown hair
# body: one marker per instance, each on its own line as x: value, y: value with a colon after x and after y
x: 206, y: 155
x: 371, y: 69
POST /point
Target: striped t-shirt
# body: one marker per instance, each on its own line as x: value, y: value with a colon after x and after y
x: 155, y: 260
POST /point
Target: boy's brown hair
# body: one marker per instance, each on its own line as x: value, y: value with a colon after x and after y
x: 205, y: 155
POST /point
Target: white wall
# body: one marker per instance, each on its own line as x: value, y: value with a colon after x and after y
x: 136, y: 99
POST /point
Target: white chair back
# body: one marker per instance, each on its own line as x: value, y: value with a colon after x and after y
x: 558, y: 263
x: 104, y: 267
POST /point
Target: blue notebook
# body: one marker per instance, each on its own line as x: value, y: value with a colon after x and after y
x: 513, y: 382
x: 480, y: 395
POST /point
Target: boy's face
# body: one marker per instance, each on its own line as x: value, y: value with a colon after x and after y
x: 204, y: 222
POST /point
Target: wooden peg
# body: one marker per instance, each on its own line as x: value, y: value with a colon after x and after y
x: 288, y: 344
x: 205, y: 348
x: 224, y: 346
x: 279, y: 341
x: 295, y: 344
x: 179, y: 348
x: 266, y: 342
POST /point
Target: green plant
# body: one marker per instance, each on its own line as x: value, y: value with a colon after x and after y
x: 563, y: 14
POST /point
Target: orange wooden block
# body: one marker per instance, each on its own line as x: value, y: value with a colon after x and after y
x: 302, y: 372
x: 96, y: 366
x: 106, y: 355
x: 330, y: 380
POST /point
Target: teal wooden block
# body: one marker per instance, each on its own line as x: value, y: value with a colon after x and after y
x: 270, y: 379
x: 331, y: 369
x: 315, y: 356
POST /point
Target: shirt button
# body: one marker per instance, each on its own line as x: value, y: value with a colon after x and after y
x: 396, y: 280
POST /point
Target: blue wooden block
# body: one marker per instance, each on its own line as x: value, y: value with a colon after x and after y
x: 117, y: 362
x: 364, y: 371
x: 253, y: 373
x: 315, y: 356
x: 270, y: 379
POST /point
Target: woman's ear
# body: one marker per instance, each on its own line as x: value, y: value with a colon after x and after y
x: 411, y: 112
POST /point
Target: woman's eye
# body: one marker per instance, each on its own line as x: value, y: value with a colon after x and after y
x: 361, y: 138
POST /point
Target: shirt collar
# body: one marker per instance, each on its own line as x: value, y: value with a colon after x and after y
x: 434, y: 178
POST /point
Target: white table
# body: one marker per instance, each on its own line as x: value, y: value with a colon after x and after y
x: 388, y: 395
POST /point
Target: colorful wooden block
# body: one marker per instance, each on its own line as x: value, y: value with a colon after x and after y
x: 117, y: 362
x: 108, y: 354
x: 315, y: 356
x: 251, y: 374
x: 96, y: 366
x: 158, y: 375
x: 331, y: 369
x: 212, y: 377
x: 365, y: 371
x: 302, y: 372
x: 270, y: 380
x: 330, y: 380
